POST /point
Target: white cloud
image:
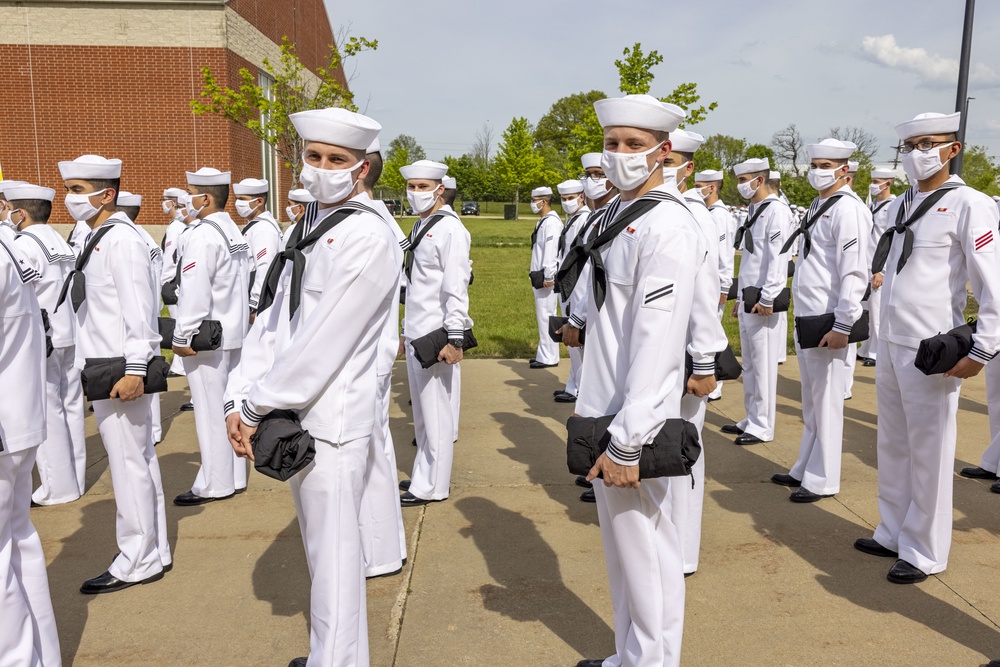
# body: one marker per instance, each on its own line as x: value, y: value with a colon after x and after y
x: 933, y: 69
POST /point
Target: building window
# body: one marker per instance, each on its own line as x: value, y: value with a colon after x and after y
x: 268, y: 155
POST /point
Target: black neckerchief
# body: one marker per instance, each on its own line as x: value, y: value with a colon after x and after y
x: 416, y: 236
x: 76, y: 277
x: 744, y: 229
x: 816, y: 210
x: 903, y: 227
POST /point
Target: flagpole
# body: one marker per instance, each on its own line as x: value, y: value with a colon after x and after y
x: 961, y: 101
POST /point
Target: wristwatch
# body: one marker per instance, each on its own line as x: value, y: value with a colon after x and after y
x: 457, y: 343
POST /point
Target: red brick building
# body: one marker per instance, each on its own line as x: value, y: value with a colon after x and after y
x: 116, y: 78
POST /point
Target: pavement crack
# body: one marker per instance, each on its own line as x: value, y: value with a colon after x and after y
x: 399, y: 607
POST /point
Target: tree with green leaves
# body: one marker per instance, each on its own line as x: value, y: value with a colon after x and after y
x: 568, y: 130
x: 518, y: 165
x: 636, y: 78
x: 981, y: 170
x: 265, y: 110
x: 403, y: 150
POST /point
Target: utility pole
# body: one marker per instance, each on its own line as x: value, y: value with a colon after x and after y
x: 961, y: 101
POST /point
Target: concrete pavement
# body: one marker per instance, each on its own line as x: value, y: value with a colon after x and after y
x: 510, y: 569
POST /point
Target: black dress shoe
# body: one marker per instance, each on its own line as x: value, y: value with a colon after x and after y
x: 995, y: 487
x: 188, y: 499
x: 801, y: 495
x: 588, y: 496
x: 298, y: 662
x: 994, y: 663
x: 404, y: 484
x: 239, y: 491
x: 904, y: 573
x: 108, y: 583
x: 557, y: 392
x: 537, y: 364
x: 187, y: 407
x: 91, y: 408
x: 975, y: 472
x: 747, y: 439
x: 565, y: 397
x: 786, y: 480
x: 407, y: 499
x: 873, y: 548
x: 582, y: 481
x: 868, y: 363
x: 590, y: 663
x: 732, y: 429
x: 34, y: 504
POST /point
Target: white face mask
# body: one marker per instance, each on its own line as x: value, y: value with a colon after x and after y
x: 595, y: 189
x: 80, y: 207
x: 700, y: 193
x: 245, y: 208
x: 822, y: 179
x: 289, y: 211
x: 422, y: 201
x: 747, y: 190
x: 10, y: 219
x: 192, y: 211
x: 571, y: 206
x: 627, y: 171
x: 536, y: 207
x: 921, y: 165
x: 671, y: 173
x: 328, y: 186
x: 168, y: 206
x: 874, y: 190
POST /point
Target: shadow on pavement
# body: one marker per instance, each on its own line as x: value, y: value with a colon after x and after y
x: 281, y: 576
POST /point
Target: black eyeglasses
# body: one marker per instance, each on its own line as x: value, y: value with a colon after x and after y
x: 923, y: 146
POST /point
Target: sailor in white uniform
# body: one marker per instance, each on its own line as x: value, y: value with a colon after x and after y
x: 350, y: 277
x: 762, y: 265
x: 28, y: 631
x: 450, y: 193
x: 8, y: 230
x: 706, y: 338
x: 299, y: 202
x: 62, y: 458
x: 544, y: 264
x: 830, y: 277
x: 637, y: 329
x: 214, y: 285
x: 172, y: 206
x: 880, y: 191
x: 943, y: 236
x: 774, y: 183
x: 116, y: 317
x: 574, y: 205
x: 437, y: 296
x: 262, y: 232
x: 852, y: 349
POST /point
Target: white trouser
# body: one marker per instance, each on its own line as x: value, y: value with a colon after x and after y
x: 156, y: 419
x: 718, y: 385
x: 822, y: 375
x: 141, y: 521
x: 873, y: 305
x: 456, y: 395
x: 221, y: 472
x: 783, y: 327
x: 433, y: 422
x: 28, y: 634
x: 991, y: 457
x: 642, y: 551
x: 61, y: 460
x: 575, y: 362
x: 327, y: 495
x: 850, y: 362
x: 382, y: 535
x: 546, y: 303
x: 177, y: 365
x: 687, y: 494
x: 917, y: 430
x: 761, y: 338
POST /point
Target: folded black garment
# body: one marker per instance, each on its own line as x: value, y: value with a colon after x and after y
x: 49, y: 348
x: 868, y: 293
x: 939, y: 354
x: 556, y: 323
x: 169, y: 293
x: 673, y: 452
x: 809, y: 331
x: 166, y: 326
x: 100, y: 375
x: 791, y: 268
x: 751, y: 296
x: 537, y: 279
x: 402, y: 295
x: 209, y: 336
x: 46, y: 325
x: 281, y: 447
x: 727, y: 366
x: 733, y: 291
x: 427, y: 348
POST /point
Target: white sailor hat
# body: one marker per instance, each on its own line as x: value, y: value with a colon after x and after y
x: 337, y: 127
x: 449, y: 183
x: 129, y: 199
x: 929, y: 123
x: 433, y: 171
x: 250, y: 186
x: 208, y: 176
x: 374, y: 147
x: 570, y: 187
x: 591, y: 160
x: 6, y: 185
x: 22, y: 190
x: 774, y: 175
x: 544, y: 191
x: 91, y: 167
x: 831, y: 149
x: 708, y: 176
x: 642, y: 111
x: 751, y: 166
x: 852, y: 166
x: 683, y: 141
x: 174, y: 192
x: 884, y: 173
x: 301, y: 196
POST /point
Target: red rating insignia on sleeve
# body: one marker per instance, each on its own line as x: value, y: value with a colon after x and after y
x: 188, y: 267
x: 984, y: 240
x: 262, y: 253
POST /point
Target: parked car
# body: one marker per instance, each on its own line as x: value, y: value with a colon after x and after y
x: 470, y: 208
x: 394, y: 206
x: 408, y: 211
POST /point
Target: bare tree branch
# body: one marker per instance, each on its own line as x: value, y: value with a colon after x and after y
x: 788, y: 146
x: 866, y: 142
x: 482, y: 146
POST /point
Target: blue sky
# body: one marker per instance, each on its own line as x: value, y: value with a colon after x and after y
x: 444, y: 67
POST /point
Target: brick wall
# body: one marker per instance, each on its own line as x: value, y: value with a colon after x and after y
x: 304, y: 22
